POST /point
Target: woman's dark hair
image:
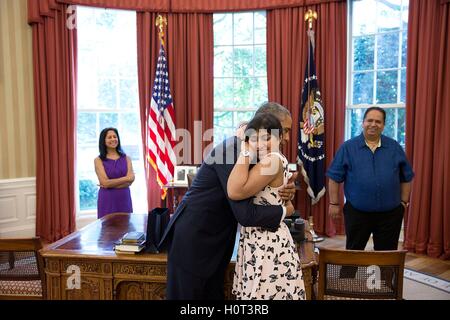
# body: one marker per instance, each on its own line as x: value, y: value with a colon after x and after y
x: 265, y: 121
x: 102, y: 145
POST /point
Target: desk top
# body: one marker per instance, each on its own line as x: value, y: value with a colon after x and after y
x: 97, y: 240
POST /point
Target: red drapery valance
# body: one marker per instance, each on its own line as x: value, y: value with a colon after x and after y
x: 38, y: 8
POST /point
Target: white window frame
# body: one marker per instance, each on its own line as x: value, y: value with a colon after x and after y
x: 254, y: 107
x: 350, y: 74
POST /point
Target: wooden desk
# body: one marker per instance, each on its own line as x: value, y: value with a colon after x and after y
x: 106, y: 275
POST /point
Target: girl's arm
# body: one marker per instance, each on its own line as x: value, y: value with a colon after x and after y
x: 103, y: 179
x: 244, y: 183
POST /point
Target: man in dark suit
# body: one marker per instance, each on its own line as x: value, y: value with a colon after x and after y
x: 202, y: 232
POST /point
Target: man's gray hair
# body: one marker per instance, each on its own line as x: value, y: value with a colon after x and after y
x: 274, y: 108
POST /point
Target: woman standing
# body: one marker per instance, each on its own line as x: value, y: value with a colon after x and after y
x: 115, y: 175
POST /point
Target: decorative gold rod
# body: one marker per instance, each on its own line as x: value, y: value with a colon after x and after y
x: 161, y: 22
x: 309, y: 16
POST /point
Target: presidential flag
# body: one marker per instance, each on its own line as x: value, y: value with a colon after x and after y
x: 311, y: 137
x: 161, y: 126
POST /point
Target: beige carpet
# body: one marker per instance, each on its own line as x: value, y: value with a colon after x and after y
x: 413, y: 290
x: 421, y: 286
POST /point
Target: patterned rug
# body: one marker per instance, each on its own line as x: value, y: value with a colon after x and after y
x: 24, y: 264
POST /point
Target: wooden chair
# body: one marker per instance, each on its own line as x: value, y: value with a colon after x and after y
x: 21, y: 269
x: 354, y: 274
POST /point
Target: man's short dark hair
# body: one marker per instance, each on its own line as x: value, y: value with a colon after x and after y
x: 273, y: 108
x: 377, y: 109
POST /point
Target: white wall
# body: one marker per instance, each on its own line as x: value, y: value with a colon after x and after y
x: 17, y: 208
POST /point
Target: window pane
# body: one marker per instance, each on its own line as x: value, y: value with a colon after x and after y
x: 127, y: 68
x: 387, y: 50
x: 243, y: 61
x: 242, y: 92
x: 401, y: 133
x: 223, y: 24
x: 85, y: 162
x: 243, y: 28
x: 105, y: 20
x: 106, y: 64
x: 260, y: 27
x: 404, y: 44
x: 88, y: 190
x: 387, y: 87
x: 388, y: 15
x: 107, y: 93
x: 363, y: 53
x: 223, y: 61
x: 363, y: 19
x: 223, y: 93
x: 132, y: 150
x: 128, y: 128
x: 405, y: 13
x: 128, y: 94
x: 87, y: 89
x: 223, y: 126
x: 356, y: 120
x: 242, y: 116
x: 87, y: 125
x: 259, y: 91
x: 379, y: 25
x: 108, y: 120
x: 260, y: 61
x: 240, y: 71
x: 403, y: 86
x: 390, y: 126
x: 363, y: 88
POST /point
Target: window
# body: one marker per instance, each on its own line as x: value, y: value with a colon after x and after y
x: 107, y: 97
x: 240, y: 69
x: 377, y: 64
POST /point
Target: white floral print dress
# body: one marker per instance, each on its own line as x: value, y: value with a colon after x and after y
x: 267, y: 264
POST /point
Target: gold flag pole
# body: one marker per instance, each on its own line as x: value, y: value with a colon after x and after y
x: 310, y: 16
x: 161, y: 22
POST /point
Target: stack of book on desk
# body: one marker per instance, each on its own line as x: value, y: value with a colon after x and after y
x: 132, y: 242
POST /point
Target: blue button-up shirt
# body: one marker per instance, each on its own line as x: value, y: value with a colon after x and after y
x: 371, y: 179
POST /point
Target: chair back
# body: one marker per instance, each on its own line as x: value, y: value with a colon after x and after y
x: 21, y: 269
x: 356, y: 274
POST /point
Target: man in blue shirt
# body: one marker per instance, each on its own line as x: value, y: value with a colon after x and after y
x: 377, y: 184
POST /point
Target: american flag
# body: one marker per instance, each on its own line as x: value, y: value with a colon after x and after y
x: 161, y: 126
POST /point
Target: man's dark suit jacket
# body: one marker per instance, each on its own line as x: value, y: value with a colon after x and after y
x: 202, y: 232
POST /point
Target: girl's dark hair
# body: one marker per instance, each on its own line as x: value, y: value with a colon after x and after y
x: 265, y: 121
x: 102, y: 145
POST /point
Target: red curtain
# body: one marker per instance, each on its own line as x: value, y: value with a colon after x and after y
x: 286, y: 61
x: 189, y: 46
x: 427, y: 225
x: 54, y: 62
x: 148, y: 47
x: 197, y: 6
